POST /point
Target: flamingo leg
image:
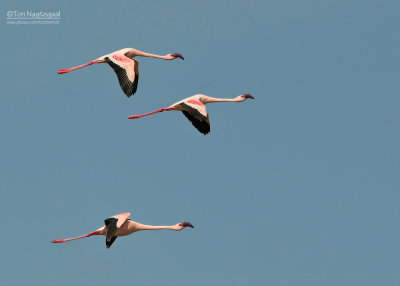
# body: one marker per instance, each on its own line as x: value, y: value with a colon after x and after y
x: 78, y: 67
x: 150, y: 113
x: 73, y: 238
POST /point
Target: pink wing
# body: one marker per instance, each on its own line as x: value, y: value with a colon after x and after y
x: 121, y: 218
x: 113, y: 224
x: 127, y: 71
x: 196, y: 112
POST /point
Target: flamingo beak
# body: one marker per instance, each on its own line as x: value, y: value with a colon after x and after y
x: 186, y: 223
x: 178, y: 55
x: 247, y: 96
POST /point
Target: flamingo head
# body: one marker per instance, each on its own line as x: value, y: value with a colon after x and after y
x: 246, y: 96
x: 184, y: 224
x: 177, y: 55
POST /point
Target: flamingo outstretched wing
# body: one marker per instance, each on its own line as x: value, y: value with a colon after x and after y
x: 127, y: 71
x: 113, y: 224
x: 196, y: 112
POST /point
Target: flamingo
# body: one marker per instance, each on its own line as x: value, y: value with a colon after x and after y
x: 122, y: 225
x: 195, y: 110
x: 126, y: 68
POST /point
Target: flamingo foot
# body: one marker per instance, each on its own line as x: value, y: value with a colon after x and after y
x: 133, y: 117
x: 58, y: 241
x: 63, y: 71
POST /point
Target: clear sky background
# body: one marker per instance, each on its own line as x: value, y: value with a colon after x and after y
x: 297, y: 187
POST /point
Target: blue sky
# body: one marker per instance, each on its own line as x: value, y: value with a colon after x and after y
x: 297, y: 187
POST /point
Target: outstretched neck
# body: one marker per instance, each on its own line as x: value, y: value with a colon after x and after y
x: 134, y: 53
x: 154, y: 227
x: 213, y: 99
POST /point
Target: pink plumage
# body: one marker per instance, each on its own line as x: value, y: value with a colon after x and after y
x: 195, y: 110
x: 125, y: 66
x: 122, y: 225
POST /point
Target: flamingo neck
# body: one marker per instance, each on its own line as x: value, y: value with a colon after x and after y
x: 212, y: 99
x: 156, y: 56
x: 135, y: 53
x: 154, y: 227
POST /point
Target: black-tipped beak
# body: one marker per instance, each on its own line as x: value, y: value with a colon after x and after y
x: 247, y: 96
x: 178, y: 55
x: 186, y: 223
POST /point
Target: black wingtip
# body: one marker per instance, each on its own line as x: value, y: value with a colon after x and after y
x: 108, y: 244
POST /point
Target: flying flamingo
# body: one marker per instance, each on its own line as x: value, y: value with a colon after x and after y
x: 121, y: 225
x: 195, y: 110
x: 126, y: 68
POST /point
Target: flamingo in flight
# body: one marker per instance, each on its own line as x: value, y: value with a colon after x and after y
x: 125, y: 66
x: 121, y: 225
x: 195, y: 110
